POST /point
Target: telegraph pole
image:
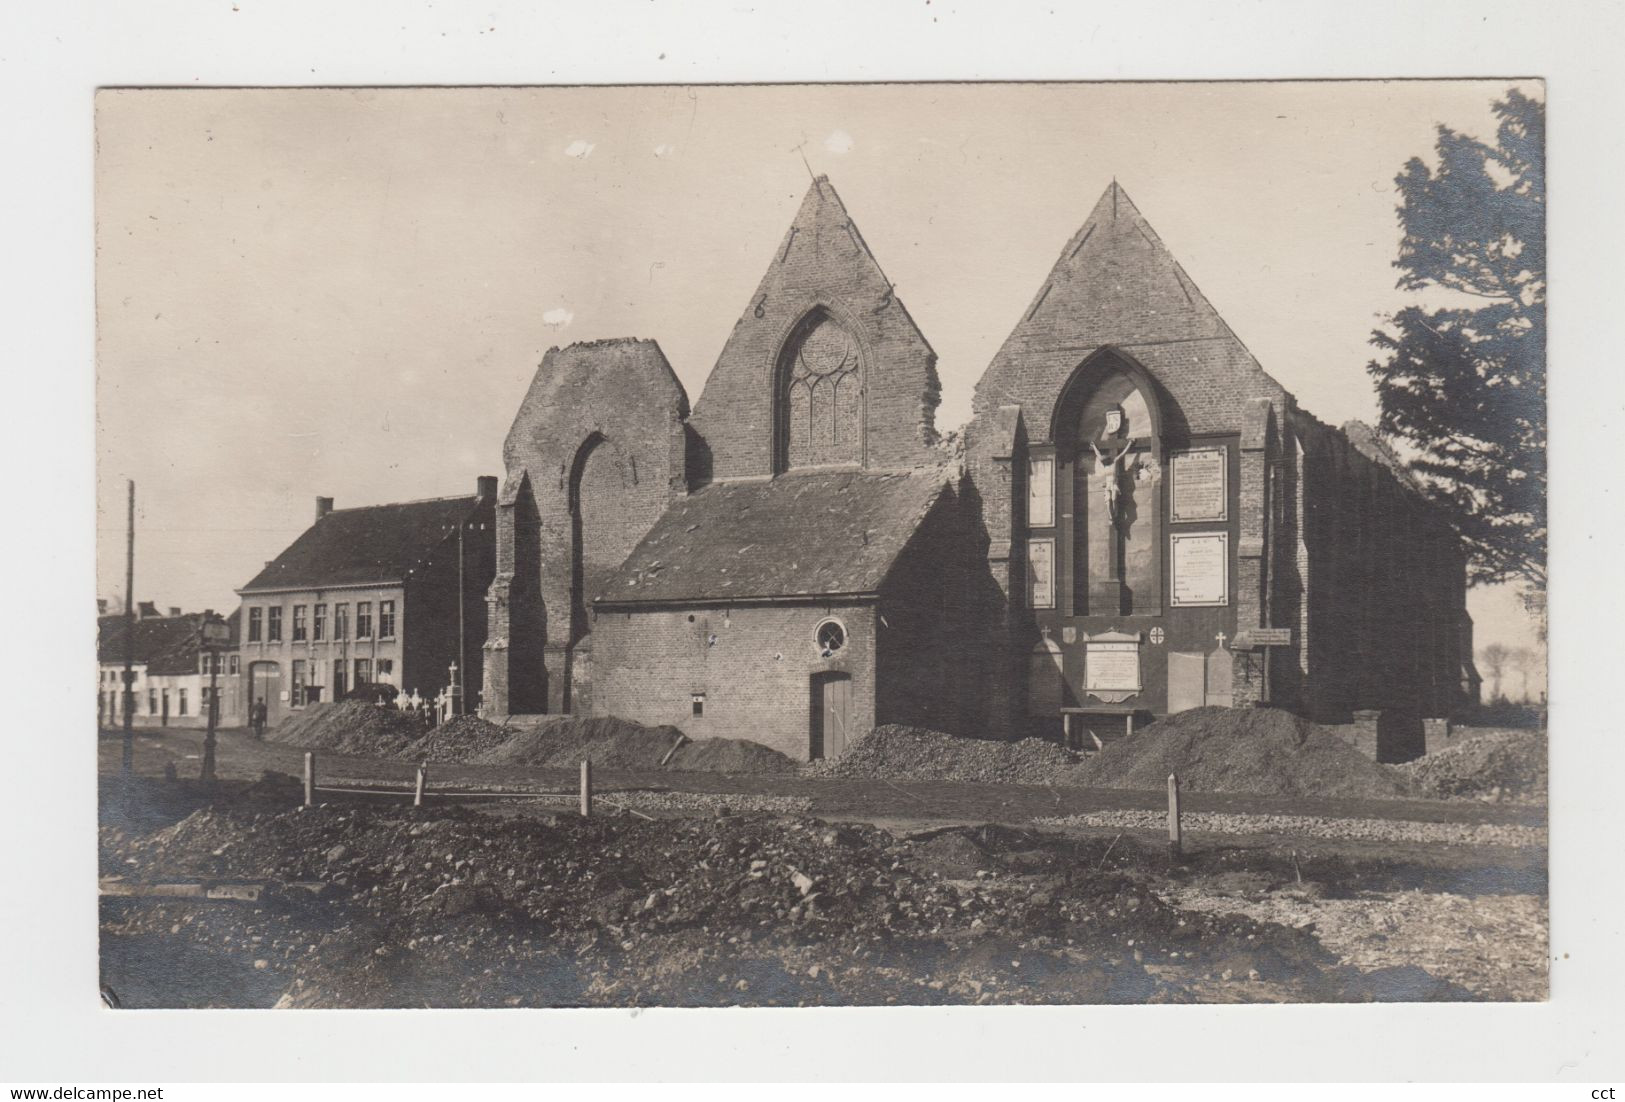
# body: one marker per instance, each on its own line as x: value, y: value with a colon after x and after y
x: 128, y: 764
x: 457, y: 704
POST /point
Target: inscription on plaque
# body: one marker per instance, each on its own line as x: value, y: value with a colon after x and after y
x: 1201, y: 569
x: 1198, y: 482
x: 1041, y: 491
x: 1041, y: 573
x: 1111, y: 666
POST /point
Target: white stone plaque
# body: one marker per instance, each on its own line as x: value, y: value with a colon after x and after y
x: 1111, y: 666
x: 1199, y: 484
x: 1201, y: 569
x: 1041, y: 573
x: 1041, y: 491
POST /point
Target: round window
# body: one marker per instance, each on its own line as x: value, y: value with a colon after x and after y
x: 829, y: 637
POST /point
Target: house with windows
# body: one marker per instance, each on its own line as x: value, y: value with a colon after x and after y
x: 1140, y: 520
x: 381, y: 595
x: 171, y: 670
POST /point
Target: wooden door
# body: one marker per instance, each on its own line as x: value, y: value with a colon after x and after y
x: 830, y: 717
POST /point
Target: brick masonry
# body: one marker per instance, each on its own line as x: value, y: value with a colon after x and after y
x: 1324, y: 535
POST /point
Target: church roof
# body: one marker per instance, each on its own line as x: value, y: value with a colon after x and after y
x: 372, y: 544
x: 803, y: 534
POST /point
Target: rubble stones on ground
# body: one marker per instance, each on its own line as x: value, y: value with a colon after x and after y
x: 1505, y: 764
x: 1265, y: 751
x: 363, y: 729
x: 449, y: 907
x: 898, y: 752
x: 1371, y: 830
x: 1492, y: 945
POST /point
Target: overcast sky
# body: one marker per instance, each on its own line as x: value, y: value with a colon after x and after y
x: 346, y: 293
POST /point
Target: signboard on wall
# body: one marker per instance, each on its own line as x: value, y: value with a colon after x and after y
x: 1041, y: 491
x: 1198, y: 485
x: 1041, y: 573
x: 1201, y: 569
x: 1111, y: 666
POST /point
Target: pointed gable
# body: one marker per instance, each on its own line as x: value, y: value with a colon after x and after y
x: 1117, y: 285
x: 821, y: 277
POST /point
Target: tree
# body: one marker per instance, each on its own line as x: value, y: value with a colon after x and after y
x: 1463, y: 381
x: 1525, y: 661
x: 1495, y: 657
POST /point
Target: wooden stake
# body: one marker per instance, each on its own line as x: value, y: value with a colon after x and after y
x: 586, y: 789
x: 1174, y: 847
x: 310, y: 778
x: 417, y: 795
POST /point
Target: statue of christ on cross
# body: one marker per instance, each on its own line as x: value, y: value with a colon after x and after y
x: 1111, y: 472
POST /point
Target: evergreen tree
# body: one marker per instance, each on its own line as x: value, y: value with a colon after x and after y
x: 1463, y: 380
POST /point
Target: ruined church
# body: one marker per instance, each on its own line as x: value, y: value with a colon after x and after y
x: 1138, y: 520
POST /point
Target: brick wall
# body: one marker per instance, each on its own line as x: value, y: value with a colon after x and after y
x: 433, y: 637
x: 822, y: 266
x: 756, y: 674
x: 603, y: 424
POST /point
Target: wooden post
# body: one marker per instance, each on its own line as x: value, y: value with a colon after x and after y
x: 586, y: 789
x: 1174, y: 848
x: 417, y: 795
x: 310, y: 778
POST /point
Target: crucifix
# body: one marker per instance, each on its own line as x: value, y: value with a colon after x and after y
x: 1221, y: 637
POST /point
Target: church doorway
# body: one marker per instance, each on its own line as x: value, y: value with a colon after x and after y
x: 830, y: 715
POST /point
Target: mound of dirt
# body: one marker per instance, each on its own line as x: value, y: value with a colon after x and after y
x: 612, y: 743
x: 730, y: 755
x: 897, y: 752
x: 1258, y: 750
x: 459, y: 739
x: 603, y: 740
x: 354, y: 727
x: 1503, y: 764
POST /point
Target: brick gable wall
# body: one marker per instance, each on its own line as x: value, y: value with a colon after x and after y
x: 822, y: 264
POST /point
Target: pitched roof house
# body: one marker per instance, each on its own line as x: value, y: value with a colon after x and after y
x: 375, y: 595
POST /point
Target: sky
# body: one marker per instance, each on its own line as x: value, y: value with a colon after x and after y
x: 346, y: 293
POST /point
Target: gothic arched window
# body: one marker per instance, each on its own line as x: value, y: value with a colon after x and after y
x: 820, y: 396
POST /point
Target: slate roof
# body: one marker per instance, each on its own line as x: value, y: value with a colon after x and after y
x: 372, y: 544
x: 802, y: 534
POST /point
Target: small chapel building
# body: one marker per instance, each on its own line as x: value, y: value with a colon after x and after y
x: 1141, y: 521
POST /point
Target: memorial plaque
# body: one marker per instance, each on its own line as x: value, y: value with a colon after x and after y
x: 1198, y: 482
x: 1041, y: 573
x: 1201, y: 569
x: 1111, y: 666
x: 1041, y: 491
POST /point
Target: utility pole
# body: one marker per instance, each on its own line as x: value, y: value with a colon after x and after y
x: 128, y: 764
x: 457, y: 705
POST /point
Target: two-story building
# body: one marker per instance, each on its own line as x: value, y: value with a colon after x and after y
x: 378, y: 595
x: 170, y: 668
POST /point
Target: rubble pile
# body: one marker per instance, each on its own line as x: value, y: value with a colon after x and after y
x: 1258, y: 750
x: 896, y: 752
x: 612, y: 743
x: 730, y: 755
x: 448, y: 907
x: 603, y: 740
x: 459, y: 739
x: 1503, y: 764
x: 355, y: 727
x: 363, y: 729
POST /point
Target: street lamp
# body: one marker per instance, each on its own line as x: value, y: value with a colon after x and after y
x: 213, y: 635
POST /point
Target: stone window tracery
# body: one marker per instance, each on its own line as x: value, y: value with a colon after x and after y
x: 822, y: 396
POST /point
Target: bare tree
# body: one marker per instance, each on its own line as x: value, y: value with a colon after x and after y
x: 1495, y: 657
x: 1524, y: 660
